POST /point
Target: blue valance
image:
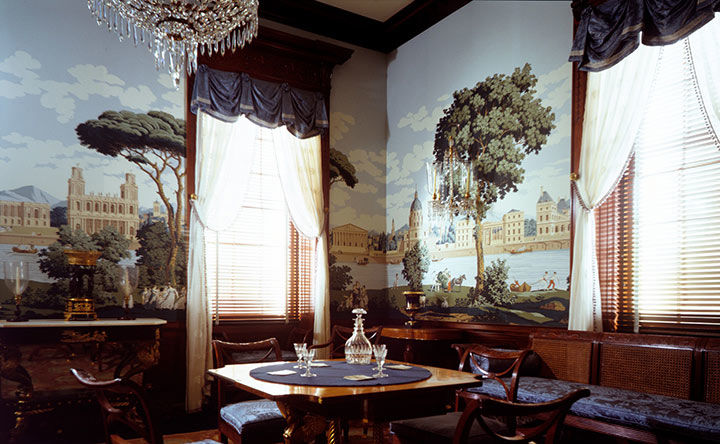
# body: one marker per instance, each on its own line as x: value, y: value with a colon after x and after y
x: 228, y: 95
x: 610, y: 31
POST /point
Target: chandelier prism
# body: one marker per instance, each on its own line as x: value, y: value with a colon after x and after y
x: 173, y: 30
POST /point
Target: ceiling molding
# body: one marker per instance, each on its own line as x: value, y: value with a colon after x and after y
x: 339, y: 24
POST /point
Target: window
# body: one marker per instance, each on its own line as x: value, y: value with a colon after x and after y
x: 261, y: 268
x: 658, y: 233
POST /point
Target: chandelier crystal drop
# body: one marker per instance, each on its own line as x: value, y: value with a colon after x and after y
x: 453, y: 188
x: 172, y: 30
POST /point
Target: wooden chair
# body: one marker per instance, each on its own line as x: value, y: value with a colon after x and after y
x: 254, y: 421
x: 493, y: 364
x: 341, y: 334
x: 473, y: 425
x: 132, y: 412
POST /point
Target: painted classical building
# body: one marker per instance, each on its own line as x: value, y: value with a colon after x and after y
x: 24, y: 214
x: 93, y: 212
x: 349, y: 238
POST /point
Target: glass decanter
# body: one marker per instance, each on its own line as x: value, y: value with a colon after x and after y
x: 358, y: 349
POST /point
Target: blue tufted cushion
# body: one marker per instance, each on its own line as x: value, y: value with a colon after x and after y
x: 620, y: 406
x: 255, y: 421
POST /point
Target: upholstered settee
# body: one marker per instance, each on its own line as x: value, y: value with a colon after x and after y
x: 646, y: 388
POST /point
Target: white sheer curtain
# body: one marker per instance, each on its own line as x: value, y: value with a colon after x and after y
x: 224, y: 156
x: 615, y: 102
x: 705, y: 47
x: 300, y: 166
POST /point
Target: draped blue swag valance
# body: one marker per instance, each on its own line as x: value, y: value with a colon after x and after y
x: 228, y: 95
x: 610, y: 31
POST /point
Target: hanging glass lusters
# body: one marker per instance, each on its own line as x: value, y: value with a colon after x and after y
x: 173, y: 29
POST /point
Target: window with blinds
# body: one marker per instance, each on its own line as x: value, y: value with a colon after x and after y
x: 261, y: 268
x: 659, y: 233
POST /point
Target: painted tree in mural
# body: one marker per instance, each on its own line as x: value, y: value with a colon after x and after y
x: 493, y: 126
x: 155, y: 142
x: 53, y: 262
x: 341, y: 169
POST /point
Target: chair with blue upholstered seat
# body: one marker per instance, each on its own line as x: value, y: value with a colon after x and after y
x: 124, y: 403
x: 478, y: 423
x: 252, y: 421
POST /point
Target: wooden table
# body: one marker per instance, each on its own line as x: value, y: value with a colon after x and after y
x: 420, y: 334
x: 308, y: 408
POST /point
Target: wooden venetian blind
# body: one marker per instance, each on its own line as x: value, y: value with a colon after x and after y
x: 614, y: 254
x: 261, y: 268
x: 659, y: 236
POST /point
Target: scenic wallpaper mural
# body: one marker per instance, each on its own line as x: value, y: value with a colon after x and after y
x: 474, y: 171
x: 92, y: 152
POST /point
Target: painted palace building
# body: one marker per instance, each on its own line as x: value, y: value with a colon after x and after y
x: 93, y: 212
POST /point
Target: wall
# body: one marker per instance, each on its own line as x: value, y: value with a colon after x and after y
x: 59, y: 69
x: 528, y: 228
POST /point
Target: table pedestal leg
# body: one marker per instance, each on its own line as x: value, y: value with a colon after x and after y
x: 301, y: 427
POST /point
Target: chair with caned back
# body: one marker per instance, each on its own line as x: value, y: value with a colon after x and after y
x: 124, y: 405
x: 253, y: 421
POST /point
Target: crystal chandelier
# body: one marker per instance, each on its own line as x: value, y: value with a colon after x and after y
x: 452, y: 187
x: 173, y: 29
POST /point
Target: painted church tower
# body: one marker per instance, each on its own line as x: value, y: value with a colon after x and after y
x: 415, y: 222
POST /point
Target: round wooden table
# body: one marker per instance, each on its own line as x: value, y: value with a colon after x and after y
x: 419, y: 334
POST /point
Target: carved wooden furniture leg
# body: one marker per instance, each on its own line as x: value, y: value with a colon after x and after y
x: 139, y: 357
x: 409, y: 353
x: 12, y: 370
x: 301, y: 427
x: 334, y: 433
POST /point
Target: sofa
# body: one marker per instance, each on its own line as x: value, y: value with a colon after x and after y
x: 645, y: 388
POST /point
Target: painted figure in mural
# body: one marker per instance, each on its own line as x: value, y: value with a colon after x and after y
x: 395, y: 284
x: 492, y: 126
x: 443, y: 280
x: 553, y: 281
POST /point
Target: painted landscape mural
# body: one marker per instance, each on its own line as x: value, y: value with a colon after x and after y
x: 498, y: 103
x: 92, y: 154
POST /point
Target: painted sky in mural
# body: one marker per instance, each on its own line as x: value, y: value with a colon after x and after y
x: 482, y: 39
x: 55, y: 74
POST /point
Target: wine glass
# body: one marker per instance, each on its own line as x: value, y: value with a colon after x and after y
x: 16, y: 279
x: 380, y: 352
x: 308, y: 356
x: 127, y: 283
x: 300, y: 348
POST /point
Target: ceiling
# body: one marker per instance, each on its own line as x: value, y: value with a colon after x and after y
x: 379, y: 10
x: 381, y: 25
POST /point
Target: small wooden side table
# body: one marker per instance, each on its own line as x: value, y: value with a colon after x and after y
x: 419, y: 334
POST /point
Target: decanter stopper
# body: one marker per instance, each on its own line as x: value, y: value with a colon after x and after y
x: 358, y: 349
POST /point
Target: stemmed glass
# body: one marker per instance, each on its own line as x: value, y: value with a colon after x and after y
x: 300, y: 349
x: 308, y: 356
x: 380, y: 352
x: 17, y: 274
x: 127, y: 283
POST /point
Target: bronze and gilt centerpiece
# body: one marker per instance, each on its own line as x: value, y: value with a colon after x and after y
x: 81, y: 304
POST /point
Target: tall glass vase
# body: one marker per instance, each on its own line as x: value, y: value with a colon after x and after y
x: 16, y: 279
